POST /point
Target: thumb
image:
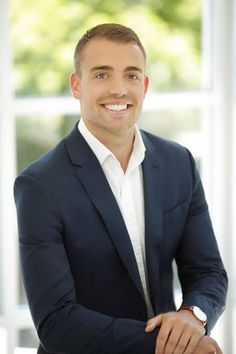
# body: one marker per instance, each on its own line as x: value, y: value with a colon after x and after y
x: 153, y: 323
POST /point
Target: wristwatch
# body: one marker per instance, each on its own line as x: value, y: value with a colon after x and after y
x: 197, y: 312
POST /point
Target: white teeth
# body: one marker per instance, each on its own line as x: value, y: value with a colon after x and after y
x: 116, y: 107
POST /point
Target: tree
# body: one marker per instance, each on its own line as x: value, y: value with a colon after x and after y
x: 44, y: 35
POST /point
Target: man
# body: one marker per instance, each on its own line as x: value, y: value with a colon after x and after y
x: 103, y: 215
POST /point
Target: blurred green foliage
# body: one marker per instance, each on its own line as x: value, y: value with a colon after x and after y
x: 44, y: 35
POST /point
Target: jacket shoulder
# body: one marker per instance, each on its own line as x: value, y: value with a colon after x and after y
x: 162, y: 145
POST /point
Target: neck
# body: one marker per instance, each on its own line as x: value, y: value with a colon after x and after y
x: 121, y: 145
x: 122, y: 149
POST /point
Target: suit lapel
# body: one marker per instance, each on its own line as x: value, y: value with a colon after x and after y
x: 91, y: 176
x: 153, y: 196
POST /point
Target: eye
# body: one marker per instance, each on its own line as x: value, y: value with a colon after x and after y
x: 132, y: 77
x: 101, y: 76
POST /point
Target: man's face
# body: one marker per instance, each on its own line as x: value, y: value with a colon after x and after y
x: 111, y: 86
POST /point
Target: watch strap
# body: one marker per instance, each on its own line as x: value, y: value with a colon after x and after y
x: 191, y: 308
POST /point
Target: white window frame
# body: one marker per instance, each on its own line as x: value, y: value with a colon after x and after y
x: 219, y: 42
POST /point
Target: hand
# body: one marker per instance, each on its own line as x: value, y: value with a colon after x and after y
x: 207, y: 345
x: 180, y: 332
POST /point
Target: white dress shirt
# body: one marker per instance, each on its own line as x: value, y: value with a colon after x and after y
x: 127, y: 188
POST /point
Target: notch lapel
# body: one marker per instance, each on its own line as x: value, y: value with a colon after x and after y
x: 153, y: 196
x: 91, y: 176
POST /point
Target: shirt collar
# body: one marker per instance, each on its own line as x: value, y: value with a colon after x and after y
x: 139, y: 149
x: 102, y: 152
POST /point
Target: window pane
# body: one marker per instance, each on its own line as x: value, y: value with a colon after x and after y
x: 22, y: 296
x: 28, y: 338
x: 182, y: 126
x: 36, y: 135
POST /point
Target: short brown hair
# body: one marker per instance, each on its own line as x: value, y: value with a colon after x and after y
x: 111, y: 31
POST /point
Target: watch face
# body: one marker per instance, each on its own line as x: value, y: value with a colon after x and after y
x: 199, y: 314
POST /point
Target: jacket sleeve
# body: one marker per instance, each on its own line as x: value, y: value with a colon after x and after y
x: 201, y: 272
x: 63, y: 325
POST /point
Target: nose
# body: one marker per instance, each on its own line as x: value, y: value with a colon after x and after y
x: 118, y: 87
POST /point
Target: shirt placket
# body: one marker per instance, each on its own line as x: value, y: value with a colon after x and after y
x: 132, y: 226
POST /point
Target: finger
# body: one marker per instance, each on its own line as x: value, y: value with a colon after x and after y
x: 192, y: 343
x: 162, y: 338
x: 173, y: 341
x: 209, y: 345
x: 218, y: 350
x: 153, y: 323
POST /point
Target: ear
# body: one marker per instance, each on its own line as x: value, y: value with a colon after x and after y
x: 146, y: 84
x: 75, y: 85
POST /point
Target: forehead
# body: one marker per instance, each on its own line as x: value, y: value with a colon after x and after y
x: 100, y: 52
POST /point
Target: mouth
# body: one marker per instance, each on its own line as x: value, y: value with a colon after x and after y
x: 117, y: 107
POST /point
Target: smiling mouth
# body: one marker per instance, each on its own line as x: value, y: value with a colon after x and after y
x: 117, y: 107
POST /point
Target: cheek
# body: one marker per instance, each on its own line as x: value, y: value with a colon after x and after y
x: 90, y: 95
x: 138, y: 91
x: 86, y: 98
x: 139, y: 95
x: 88, y: 103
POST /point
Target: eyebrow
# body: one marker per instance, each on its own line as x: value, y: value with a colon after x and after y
x: 102, y: 67
x: 110, y: 68
x: 133, y: 68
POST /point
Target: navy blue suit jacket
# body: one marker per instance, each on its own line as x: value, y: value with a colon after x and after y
x: 79, y: 269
